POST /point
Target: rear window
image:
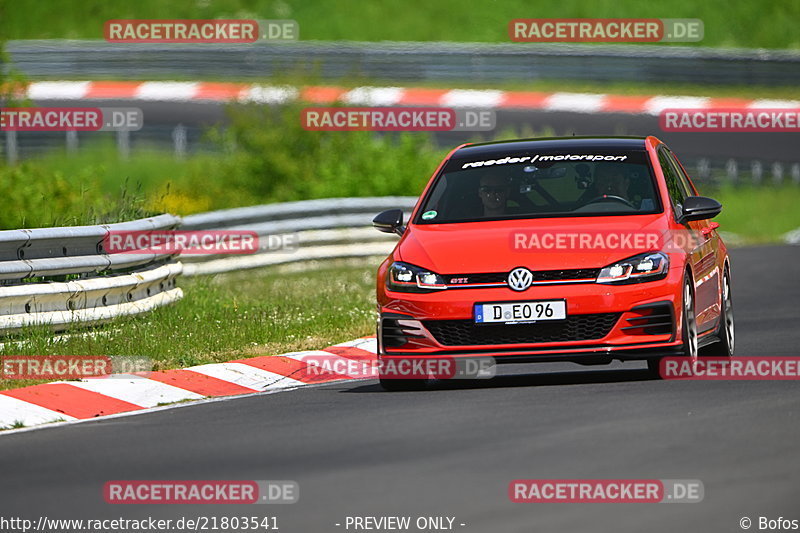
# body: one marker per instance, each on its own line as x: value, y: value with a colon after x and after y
x: 539, y: 185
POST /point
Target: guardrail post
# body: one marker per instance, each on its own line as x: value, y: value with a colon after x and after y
x: 756, y: 172
x: 777, y: 173
x: 12, y: 153
x: 703, y: 169
x: 179, y: 141
x: 72, y: 141
x: 124, y: 144
x: 732, y: 171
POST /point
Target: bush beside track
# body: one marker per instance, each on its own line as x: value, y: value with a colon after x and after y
x: 267, y: 158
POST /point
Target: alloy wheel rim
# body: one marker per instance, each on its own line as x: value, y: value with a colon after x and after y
x: 729, y: 327
x: 690, y: 325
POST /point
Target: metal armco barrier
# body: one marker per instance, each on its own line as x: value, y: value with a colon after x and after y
x: 409, y: 61
x: 105, y: 285
x: 116, y: 285
x: 298, y: 231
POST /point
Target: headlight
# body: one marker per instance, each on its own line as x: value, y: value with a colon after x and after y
x: 645, y: 267
x: 404, y: 277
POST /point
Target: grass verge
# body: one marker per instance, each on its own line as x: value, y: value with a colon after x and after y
x: 758, y: 215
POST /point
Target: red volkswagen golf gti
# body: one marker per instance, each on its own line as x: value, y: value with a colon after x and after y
x: 562, y: 249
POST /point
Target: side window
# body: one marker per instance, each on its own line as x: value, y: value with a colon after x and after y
x: 682, y: 177
x: 676, y: 191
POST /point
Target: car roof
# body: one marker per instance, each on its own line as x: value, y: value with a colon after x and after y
x: 550, y: 144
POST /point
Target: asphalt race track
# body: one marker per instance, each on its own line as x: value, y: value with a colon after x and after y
x: 452, y: 450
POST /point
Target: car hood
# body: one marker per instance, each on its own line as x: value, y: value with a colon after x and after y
x: 474, y: 247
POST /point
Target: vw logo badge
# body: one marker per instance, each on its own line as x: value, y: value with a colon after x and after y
x: 520, y: 279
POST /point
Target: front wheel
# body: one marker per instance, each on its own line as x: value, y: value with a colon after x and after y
x: 689, y: 333
x: 688, y: 329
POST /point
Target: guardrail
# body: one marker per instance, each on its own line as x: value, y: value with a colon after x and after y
x: 409, y: 61
x: 107, y: 286
x: 103, y: 285
x: 317, y: 229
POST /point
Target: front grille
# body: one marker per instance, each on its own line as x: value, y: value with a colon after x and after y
x: 573, y: 328
x: 560, y: 275
x: 538, y: 275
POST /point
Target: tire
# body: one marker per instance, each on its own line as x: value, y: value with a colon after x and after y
x: 398, y: 385
x: 726, y: 330
x: 688, y: 329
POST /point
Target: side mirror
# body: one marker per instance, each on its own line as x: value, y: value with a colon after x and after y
x: 390, y: 221
x: 699, y: 208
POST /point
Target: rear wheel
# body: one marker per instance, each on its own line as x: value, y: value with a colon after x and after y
x: 688, y: 329
x: 726, y: 330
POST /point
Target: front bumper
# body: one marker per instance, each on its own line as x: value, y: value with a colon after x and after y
x: 604, y: 322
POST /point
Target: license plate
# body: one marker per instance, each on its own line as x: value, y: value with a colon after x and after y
x: 520, y: 312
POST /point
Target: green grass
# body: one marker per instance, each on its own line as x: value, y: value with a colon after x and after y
x: 46, y: 193
x: 96, y: 185
x: 737, y: 23
x: 758, y: 215
x: 262, y: 312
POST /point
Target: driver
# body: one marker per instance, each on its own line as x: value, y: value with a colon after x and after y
x: 493, y: 191
x: 610, y: 180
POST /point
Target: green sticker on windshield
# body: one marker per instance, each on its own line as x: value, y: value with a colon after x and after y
x: 427, y: 215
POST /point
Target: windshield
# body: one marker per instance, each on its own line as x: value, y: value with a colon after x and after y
x: 536, y: 185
